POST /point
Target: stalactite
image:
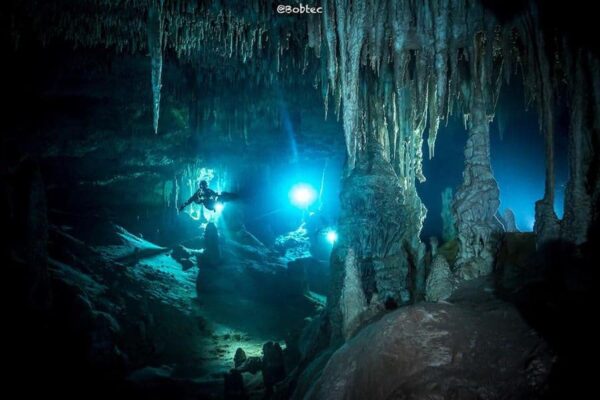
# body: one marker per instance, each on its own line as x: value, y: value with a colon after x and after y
x: 346, y: 44
x: 155, y: 46
x: 439, y: 102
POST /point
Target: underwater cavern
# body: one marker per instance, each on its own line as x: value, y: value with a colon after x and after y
x: 333, y: 199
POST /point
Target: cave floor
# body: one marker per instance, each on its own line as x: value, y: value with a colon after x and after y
x: 181, y: 327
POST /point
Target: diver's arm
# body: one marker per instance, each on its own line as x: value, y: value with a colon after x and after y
x: 184, y: 205
x: 188, y: 202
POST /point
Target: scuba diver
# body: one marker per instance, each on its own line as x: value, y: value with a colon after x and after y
x: 204, y: 196
x: 207, y: 197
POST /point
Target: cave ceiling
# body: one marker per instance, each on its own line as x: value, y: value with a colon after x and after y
x: 396, y: 70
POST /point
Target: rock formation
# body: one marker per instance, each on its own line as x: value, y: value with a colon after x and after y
x: 434, y: 244
x: 476, y: 201
x: 508, y: 220
x: 155, y: 46
x: 377, y: 249
x: 413, y: 71
x: 448, y: 222
x: 440, y: 281
x: 352, y: 299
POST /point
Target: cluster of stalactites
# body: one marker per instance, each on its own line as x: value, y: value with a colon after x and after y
x: 205, y: 35
x: 398, y: 69
x: 196, y: 32
x: 122, y: 25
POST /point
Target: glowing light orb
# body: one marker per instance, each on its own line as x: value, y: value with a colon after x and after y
x: 219, y: 208
x: 331, y: 236
x: 303, y: 195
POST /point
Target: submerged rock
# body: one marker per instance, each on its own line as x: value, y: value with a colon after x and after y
x: 240, y: 357
x: 294, y: 245
x: 184, y: 256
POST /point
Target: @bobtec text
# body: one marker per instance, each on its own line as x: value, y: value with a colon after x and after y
x: 299, y: 9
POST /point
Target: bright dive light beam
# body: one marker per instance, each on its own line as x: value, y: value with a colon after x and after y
x: 332, y: 236
x: 303, y: 195
x: 219, y: 207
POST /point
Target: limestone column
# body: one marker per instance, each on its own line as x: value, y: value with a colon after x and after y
x: 477, y: 199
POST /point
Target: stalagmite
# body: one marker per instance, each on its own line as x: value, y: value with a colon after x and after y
x: 352, y: 300
x: 508, y: 220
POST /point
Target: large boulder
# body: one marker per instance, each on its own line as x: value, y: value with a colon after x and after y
x: 439, y: 351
